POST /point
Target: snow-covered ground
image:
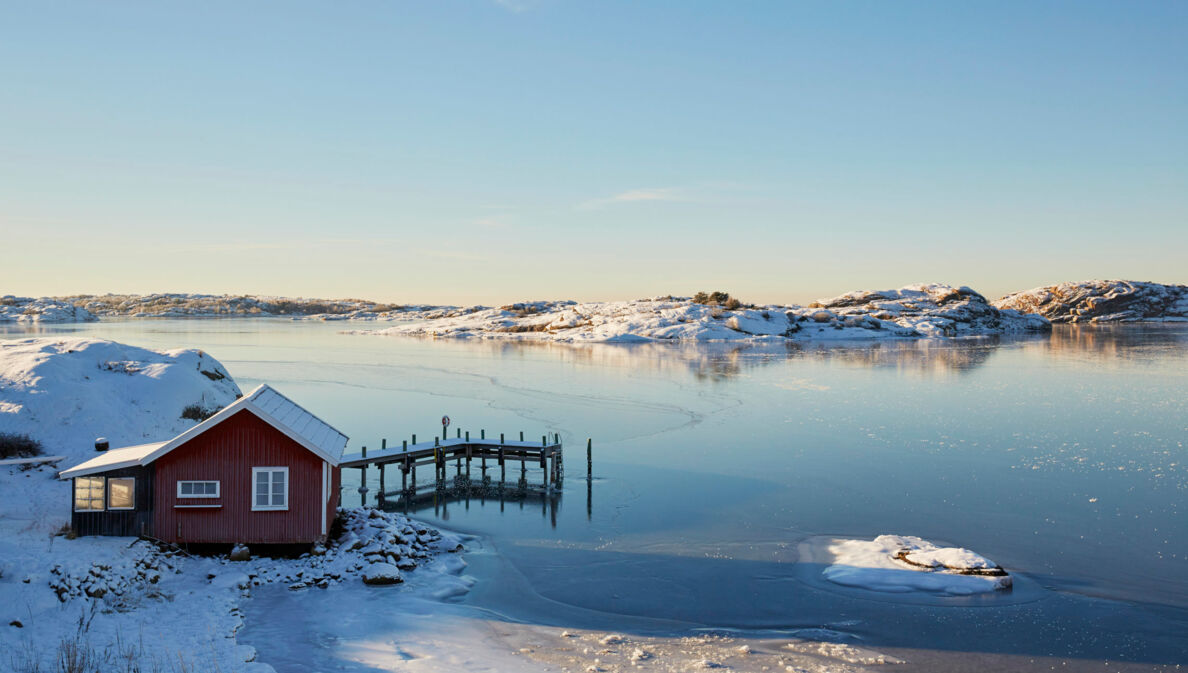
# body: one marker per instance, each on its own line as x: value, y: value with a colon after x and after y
x: 909, y: 312
x: 66, y: 392
x: 44, y: 309
x: 1103, y: 301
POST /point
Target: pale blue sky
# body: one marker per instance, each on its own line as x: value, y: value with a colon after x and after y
x: 477, y: 151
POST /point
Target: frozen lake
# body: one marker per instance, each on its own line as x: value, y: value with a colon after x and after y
x: 1061, y: 457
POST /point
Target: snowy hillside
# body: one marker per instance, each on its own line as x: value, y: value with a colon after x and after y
x: 914, y: 311
x: 65, y: 392
x: 1102, y: 301
x: 45, y: 309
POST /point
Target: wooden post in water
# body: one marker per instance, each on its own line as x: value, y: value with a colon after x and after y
x: 414, y: 441
x: 404, y: 447
x: 380, y: 496
x: 521, y: 435
x: 482, y: 433
x: 589, y: 458
x: 460, y: 433
x: 502, y: 464
x: 467, y: 436
x: 363, y: 482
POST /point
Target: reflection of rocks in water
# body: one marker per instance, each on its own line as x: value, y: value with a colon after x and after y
x: 930, y: 357
x: 714, y: 362
x: 718, y: 361
x: 1115, y: 342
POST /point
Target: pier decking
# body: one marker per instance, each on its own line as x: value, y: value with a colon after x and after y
x: 466, y: 453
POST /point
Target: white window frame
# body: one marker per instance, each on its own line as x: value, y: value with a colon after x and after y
x: 269, y: 508
x: 217, y: 493
x: 74, y: 494
x: 107, y: 494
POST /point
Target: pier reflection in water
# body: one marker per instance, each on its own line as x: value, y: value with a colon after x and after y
x: 463, y: 492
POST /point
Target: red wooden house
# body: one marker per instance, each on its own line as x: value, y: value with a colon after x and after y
x: 261, y: 471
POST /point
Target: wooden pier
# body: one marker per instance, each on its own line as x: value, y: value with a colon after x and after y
x: 465, y: 453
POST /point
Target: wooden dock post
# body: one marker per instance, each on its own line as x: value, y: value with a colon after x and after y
x: 460, y: 433
x: 467, y: 436
x: 379, y: 497
x: 589, y: 458
x: 404, y: 447
x: 363, y: 482
x: 482, y: 433
x: 414, y: 441
x: 521, y: 435
x: 502, y: 458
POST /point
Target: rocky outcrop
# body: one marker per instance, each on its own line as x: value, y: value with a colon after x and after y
x: 1102, y: 301
x: 909, y: 312
x: 932, y: 310
x: 45, y: 309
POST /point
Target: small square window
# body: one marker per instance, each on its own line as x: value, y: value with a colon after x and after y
x: 88, y: 494
x: 121, y: 493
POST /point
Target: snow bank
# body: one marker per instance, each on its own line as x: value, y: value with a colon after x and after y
x: 45, y: 309
x: 911, y: 312
x: 65, y: 392
x: 901, y: 564
x: 1102, y: 301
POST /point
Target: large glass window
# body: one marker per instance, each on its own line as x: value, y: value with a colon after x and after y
x: 88, y: 494
x: 121, y: 493
x: 270, y: 488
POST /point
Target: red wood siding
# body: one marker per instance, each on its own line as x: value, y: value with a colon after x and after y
x: 227, y: 453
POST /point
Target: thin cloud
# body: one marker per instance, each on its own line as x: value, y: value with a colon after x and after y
x: 636, y: 196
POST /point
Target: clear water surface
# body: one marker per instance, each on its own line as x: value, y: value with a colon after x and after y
x: 1061, y: 457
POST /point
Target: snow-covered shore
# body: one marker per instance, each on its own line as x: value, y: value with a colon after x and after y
x: 909, y: 312
x: 127, y: 605
x: 1102, y: 301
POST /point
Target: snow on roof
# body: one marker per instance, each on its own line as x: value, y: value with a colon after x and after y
x: 112, y: 460
x: 266, y: 403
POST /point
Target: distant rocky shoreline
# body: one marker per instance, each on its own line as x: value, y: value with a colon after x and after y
x: 957, y: 311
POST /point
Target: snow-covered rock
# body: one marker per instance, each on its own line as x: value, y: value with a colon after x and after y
x: 1102, y: 301
x: 65, y: 392
x: 44, y: 309
x: 910, y: 312
x: 901, y: 564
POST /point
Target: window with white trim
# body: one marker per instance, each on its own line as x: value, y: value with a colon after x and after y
x: 88, y: 494
x: 270, y: 488
x: 197, y: 489
x: 121, y: 493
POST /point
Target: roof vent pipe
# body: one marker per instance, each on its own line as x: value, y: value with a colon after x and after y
x: 100, y: 443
